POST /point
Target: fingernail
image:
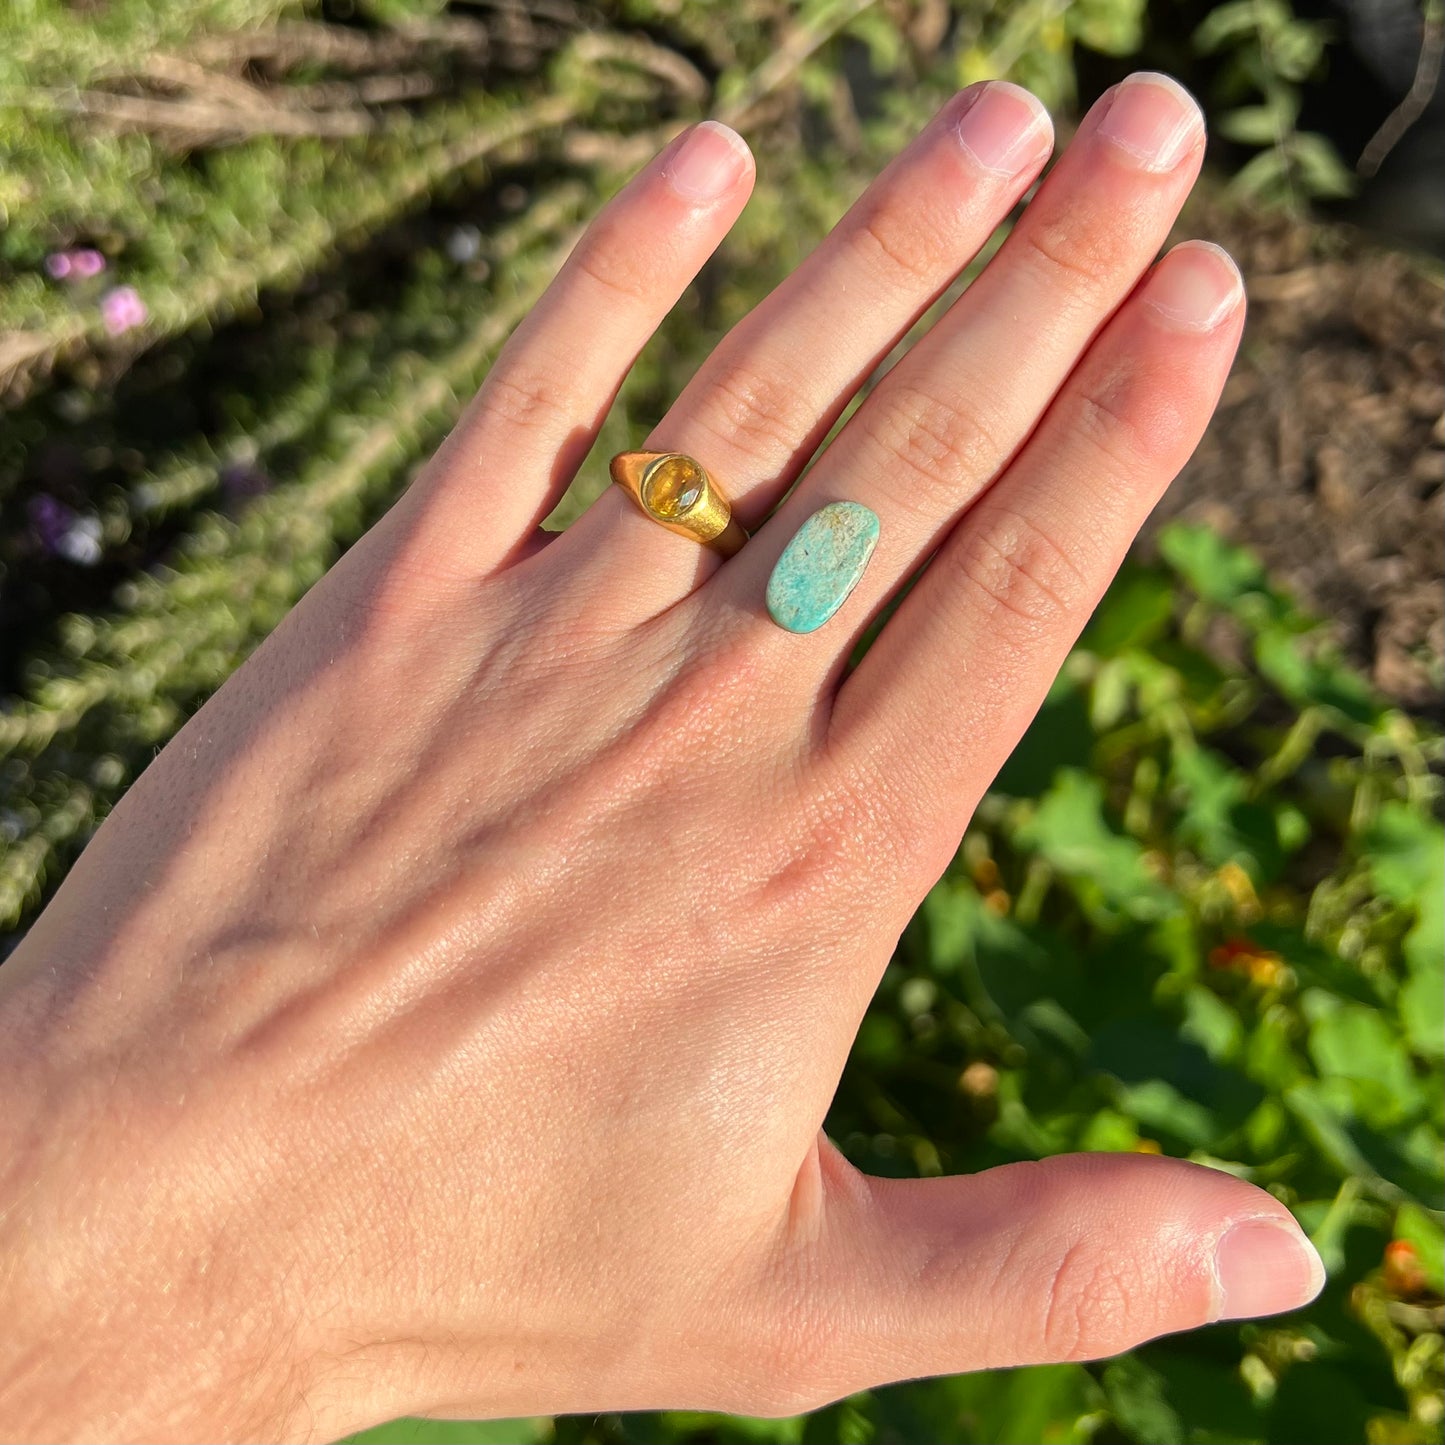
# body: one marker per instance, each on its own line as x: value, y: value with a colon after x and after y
x: 1154, y: 120
x: 1005, y: 128
x: 1195, y: 286
x: 1265, y: 1267
x: 710, y: 161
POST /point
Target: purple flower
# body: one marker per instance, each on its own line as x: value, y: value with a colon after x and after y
x: 63, y: 532
x: 78, y: 264
x: 121, y: 308
x: 49, y: 518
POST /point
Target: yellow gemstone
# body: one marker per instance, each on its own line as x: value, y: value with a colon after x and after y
x: 673, y: 487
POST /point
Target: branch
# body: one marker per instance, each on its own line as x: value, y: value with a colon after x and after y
x: 788, y: 59
x: 198, y: 121
x: 1417, y: 98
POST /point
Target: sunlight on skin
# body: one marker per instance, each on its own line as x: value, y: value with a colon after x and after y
x: 446, y: 1021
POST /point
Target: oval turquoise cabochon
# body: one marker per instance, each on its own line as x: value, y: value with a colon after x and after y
x: 821, y: 565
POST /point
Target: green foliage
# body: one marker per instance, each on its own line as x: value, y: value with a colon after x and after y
x: 1034, y: 42
x: 1269, y: 53
x: 1202, y: 911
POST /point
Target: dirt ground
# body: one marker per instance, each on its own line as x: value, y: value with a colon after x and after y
x: 1328, y: 452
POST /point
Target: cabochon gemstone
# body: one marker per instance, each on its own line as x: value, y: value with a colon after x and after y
x: 672, y: 487
x: 821, y: 565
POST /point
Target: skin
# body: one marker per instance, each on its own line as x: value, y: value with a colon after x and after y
x: 445, y: 1022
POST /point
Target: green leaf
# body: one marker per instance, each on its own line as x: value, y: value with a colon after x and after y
x: 1041, y: 1405
x: 1319, y: 1403
x: 1353, y: 1041
x: 407, y: 1431
x: 1217, y: 817
x: 1170, y: 1085
x: 1137, y: 1400
x: 1217, y: 570
x: 1205, y: 1388
x: 1060, y: 736
x: 1259, y: 125
x: 1135, y: 610
x: 1320, y: 166
x: 818, y: 82
x: 1314, y: 676
x: 884, y: 39
x: 1069, y: 829
x: 1212, y: 1024
x: 1265, y: 177
x: 1296, y: 50
x: 1422, y: 1009
x: 1046, y: 1404
x: 1112, y: 27
x: 1405, y: 850
x: 846, y: 1423
x: 1108, y: 1132
x: 1225, y: 23
x: 729, y: 1429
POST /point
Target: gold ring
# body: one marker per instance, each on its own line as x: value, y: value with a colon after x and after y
x: 676, y: 492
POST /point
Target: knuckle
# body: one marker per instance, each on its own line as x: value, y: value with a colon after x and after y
x: 805, y: 858
x: 767, y: 415
x: 528, y: 398
x: 1116, y: 438
x: 610, y: 258
x: 859, y: 810
x: 850, y: 816
x: 1077, y: 252
x: 1090, y: 1300
x: 1023, y: 573
x: 718, y: 675
x: 1130, y: 418
x: 934, y: 440
x: 902, y: 247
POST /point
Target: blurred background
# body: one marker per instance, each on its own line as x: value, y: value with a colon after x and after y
x: 255, y: 254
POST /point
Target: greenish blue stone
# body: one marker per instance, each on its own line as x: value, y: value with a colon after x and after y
x: 821, y: 566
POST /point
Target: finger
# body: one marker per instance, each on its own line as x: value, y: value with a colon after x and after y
x: 758, y: 408
x: 524, y: 435
x: 964, y: 663
x: 949, y: 416
x: 1072, y: 1258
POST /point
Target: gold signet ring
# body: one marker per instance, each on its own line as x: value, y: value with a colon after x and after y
x: 676, y: 492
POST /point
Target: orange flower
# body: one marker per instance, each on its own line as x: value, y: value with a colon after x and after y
x: 985, y: 873
x: 1243, y: 955
x: 1403, y: 1275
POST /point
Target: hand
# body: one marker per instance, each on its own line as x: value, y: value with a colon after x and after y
x: 446, y: 1021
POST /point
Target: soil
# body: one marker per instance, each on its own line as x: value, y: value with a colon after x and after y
x: 1327, y: 455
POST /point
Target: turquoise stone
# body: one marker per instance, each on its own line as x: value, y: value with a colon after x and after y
x: 821, y: 566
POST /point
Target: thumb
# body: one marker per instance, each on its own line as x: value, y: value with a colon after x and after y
x: 1067, y: 1259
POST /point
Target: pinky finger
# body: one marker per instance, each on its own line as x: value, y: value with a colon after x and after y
x: 961, y: 668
